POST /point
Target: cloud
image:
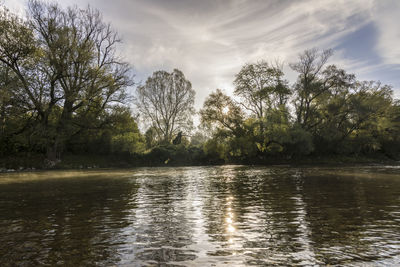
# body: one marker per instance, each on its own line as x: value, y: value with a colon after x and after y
x: 17, y: 6
x: 386, y: 17
x: 210, y: 40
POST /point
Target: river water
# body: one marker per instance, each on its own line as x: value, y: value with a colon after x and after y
x: 202, y: 216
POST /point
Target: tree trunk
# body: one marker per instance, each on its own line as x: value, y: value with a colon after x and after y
x: 55, y: 149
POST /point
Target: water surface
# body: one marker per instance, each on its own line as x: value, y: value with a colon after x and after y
x: 205, y: 216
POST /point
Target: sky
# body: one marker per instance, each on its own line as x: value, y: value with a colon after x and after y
x: 210, y: 40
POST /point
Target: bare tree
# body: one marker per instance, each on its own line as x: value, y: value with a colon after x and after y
x: 166, y: 100
x: 310, y: 84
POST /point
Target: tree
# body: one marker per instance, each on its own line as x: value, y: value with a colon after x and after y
x: 370, y: 107
x: 23, y: 98
x: 67, y: 68
x: 151, y: 137
x: 328, y: 116
x: 166, y: 100
x: 261, y: 87
x: 198, y: 138
x: 309, y: 85
x: 389, y: 131
x: 117, y: 133
x: 225, y: 119
x: 219, y: 110
x: 125, y: 134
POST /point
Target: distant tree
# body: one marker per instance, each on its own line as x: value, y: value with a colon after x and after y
x: 219, y: 110
x: 341, y: 114
x: 261, y: 87
x: 117, y: 132
x: 370, y: 107
x: 225, y: 119
x: 389, y: 131
x: 262, y: 91
x: 151, y: 137
x: 166, y: 101
x: 125, y: 134
x: 328, y: 111
x: 309, y: 85
x: 198, y: 138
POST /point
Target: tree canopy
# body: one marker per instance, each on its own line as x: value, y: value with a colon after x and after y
x: 61, y: 74
x: 166, y: 100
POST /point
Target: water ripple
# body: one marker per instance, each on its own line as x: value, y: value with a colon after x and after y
x: 202, y: 216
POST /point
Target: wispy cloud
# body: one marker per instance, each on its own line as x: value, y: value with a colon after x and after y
x: 386, y: 17
x: 210, y: 40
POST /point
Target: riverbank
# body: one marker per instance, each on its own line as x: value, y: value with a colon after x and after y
x: 88, y: 161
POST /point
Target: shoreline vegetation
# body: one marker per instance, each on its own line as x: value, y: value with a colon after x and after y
x: 115, y: 162
x: 65, y: 103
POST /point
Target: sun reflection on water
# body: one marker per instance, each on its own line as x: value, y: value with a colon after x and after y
x: 229, y: 219
x: 201, y: 217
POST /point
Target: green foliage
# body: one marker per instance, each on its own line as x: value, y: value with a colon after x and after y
x: 215, y: 150
x: 300, y: 142
x: 261, y: 87
x: 118, y: 134
x: 333, y: 114
x: 151, y: 137
x: 221, y: 112
x: 198, y: 139
x: 63, y: 91
x: 127, y: 142
x: 61, y: 75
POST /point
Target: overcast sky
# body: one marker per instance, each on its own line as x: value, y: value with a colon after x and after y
x: 210, y: 40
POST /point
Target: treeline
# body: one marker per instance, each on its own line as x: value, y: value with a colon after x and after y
x: 63, y: 85
x: 326, y: 112
x: 63, y: 92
